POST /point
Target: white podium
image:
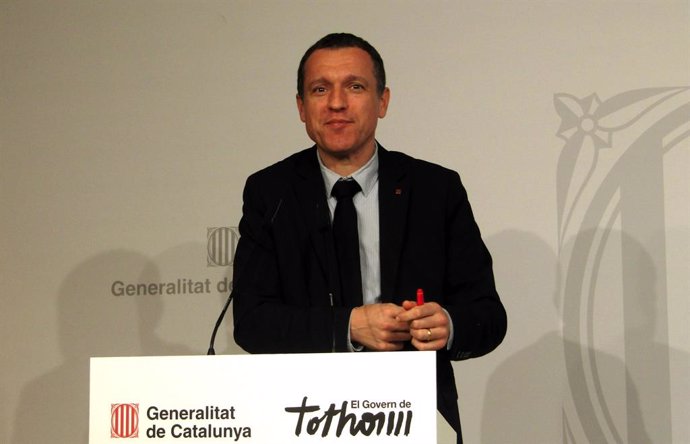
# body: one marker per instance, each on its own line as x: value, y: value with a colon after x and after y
x: 265, y: 399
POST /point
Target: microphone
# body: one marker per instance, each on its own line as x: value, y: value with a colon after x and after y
x: 211, y: 350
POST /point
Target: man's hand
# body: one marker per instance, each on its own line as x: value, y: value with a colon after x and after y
x: 429, y: 325
x: 378, y: 327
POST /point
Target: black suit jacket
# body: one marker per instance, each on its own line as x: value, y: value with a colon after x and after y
x: 286, y: 290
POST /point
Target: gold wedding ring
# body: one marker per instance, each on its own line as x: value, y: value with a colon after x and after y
x: 428, y: 334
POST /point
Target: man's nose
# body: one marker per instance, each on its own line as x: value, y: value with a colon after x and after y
x: 337, y: 99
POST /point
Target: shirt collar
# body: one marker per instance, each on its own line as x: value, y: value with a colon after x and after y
x: 366, y: 176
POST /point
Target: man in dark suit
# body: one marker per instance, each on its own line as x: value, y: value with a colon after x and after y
x: 415, y: 230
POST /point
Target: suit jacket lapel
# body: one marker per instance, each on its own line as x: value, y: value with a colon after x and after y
x: 394, y: 197
x: 311, y: 196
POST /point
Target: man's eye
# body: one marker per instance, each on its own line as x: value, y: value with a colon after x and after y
x: 318, y: 90
x: 357, y: 87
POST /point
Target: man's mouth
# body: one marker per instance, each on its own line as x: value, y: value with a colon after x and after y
x: 338, y: 123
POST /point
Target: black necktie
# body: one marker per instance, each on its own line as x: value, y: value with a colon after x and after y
x: 347, y: 241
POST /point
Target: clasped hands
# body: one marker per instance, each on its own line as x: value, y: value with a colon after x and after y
x: 386, y: 327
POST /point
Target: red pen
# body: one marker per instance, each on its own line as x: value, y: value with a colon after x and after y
x: 420, y: 296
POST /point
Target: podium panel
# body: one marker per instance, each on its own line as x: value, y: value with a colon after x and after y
x: 265, y: 399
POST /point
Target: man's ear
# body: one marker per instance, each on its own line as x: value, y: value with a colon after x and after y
x: 383, y: 102
x: 300, y: 107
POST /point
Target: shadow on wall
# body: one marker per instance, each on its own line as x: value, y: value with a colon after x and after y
x: 524, y: 394
x: 55, y: 406
x: 567, y: 386
x: 92, y: 322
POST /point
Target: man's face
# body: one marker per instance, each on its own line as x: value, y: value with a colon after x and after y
x: 340, y: 105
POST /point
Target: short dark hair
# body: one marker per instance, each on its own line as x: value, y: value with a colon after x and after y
x: 344, y: 40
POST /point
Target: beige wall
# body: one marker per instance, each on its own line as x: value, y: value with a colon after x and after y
x: 129, y: 127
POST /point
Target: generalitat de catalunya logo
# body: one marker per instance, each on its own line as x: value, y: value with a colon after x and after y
x: 221, y: 245
x: 124, y: 420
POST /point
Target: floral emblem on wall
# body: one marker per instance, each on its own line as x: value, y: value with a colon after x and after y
x: 609, y: 179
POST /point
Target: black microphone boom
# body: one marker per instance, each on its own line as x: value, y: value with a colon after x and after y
x: 211, y: 350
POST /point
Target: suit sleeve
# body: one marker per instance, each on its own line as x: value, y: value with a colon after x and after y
x: 479, y: 318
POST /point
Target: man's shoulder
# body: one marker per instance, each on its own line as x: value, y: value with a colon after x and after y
x: 286, y: 167
x: 403, y: 161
